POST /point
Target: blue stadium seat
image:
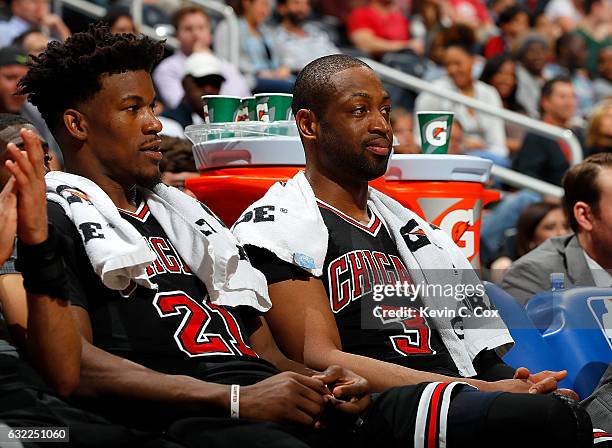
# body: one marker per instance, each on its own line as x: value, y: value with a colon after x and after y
x: 573, y: 323
x: 530, y: 349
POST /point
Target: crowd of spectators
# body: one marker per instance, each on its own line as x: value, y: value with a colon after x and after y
x: 547, y: 60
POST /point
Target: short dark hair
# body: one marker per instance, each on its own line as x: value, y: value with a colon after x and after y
x: 528, y: 222
x: 181, y: 13
x: 564, y: 41
x: 549, y: 87
x: 7, y: 120
x: 67, y: 74
x: 313, y: 83
x: 509, y: 14
x: 460, y: 36
x: 581, y: 184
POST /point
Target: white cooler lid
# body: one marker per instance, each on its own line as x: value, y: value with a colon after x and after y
x: 249, y: 151
x: 439, y: 167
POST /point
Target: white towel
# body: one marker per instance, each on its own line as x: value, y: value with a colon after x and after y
x: 298, y: 235
x: 122, y: 255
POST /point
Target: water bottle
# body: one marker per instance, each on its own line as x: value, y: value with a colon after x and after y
x: 557, y: 281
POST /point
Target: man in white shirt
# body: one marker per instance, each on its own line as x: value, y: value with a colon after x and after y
x: 298, y: 40
x: 585, y: 257
x: 193, y: 33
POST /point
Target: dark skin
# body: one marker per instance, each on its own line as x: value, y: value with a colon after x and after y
x: 347, y: 145
x: 195, y: 91
x: 111, y: 139
x: 52, y: 337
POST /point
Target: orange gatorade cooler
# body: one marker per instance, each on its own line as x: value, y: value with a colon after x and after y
x: 446, y: 190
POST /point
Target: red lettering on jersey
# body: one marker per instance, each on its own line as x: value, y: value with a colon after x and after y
x: 359, y: 271
x: 385, y: 267
x: 415, y: 339
x: 164, y: 254
x: 373, y: 268
x: 400, y: 269
x: 340, y: 290
x: 234, y: 329
x: 185, y: 269
x: 190, y: 335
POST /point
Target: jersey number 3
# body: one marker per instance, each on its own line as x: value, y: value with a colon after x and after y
x: 191, y: 335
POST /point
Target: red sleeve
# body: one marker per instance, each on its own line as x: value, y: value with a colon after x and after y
x: 482, y: 12
x: 493, y: 47
x: 358, y: 19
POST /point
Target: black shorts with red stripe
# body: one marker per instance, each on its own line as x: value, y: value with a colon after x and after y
x: 439, y: 415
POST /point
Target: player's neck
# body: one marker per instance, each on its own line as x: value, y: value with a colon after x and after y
x: 122, y: 196
x: 348, y: 197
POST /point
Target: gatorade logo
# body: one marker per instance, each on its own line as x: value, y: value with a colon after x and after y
x: 262, y: 112
x: 435, y: 132
x: 459, y: 225
x: 206, y: 116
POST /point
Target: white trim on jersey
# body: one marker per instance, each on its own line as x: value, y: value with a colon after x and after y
x: 446, y: 399
x: 601, y: 436
x: 420, y: 423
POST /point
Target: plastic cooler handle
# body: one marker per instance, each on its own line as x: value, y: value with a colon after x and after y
x: 226, y: 157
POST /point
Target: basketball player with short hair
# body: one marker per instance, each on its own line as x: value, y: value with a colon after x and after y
x: 324, y: 246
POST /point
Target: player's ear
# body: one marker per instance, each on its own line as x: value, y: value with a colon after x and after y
x: 307, y: 124
x: 76, y: 124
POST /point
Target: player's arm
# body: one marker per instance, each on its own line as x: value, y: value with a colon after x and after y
x: 365, y: 40
x: 311, y: 336
x: 286, y: 397
x: 341, y: 382
x: 52, y: 340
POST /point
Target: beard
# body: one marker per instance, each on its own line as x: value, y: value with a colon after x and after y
x: 358, y: 165
x: 296, y: 20
x: 148, y: 181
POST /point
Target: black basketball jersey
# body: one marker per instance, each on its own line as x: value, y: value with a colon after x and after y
x: 358, y: 258
x: 174, y: 329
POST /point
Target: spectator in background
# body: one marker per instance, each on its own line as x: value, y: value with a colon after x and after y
x: 541, y: 157
x: 538, y: 222
x: 564, y: 14
x: 541, y: 24
x: 33, y: 41
x: 402, y: 124
x: 429, y: 18
x: 496, y: 7
x: 379, y: 28
x: 571, y: 54
x: 298, y: 41
x: 531, y: 55
x: 32, y: 14
x: 596, y: 30
x: 513, y: 24
x: 259, y: 60
x: 178, y: 163
x: 13, y: 67
x: 602, y: 85
x: 193, y: 33
x: 203, y: 76
x: 482, y: 132
x: 500, y: 72
x: 120, y: 20
x: 599, y: 133
x: 584, y: 257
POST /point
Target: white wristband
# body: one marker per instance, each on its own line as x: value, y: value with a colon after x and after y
x: 235, y: 401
